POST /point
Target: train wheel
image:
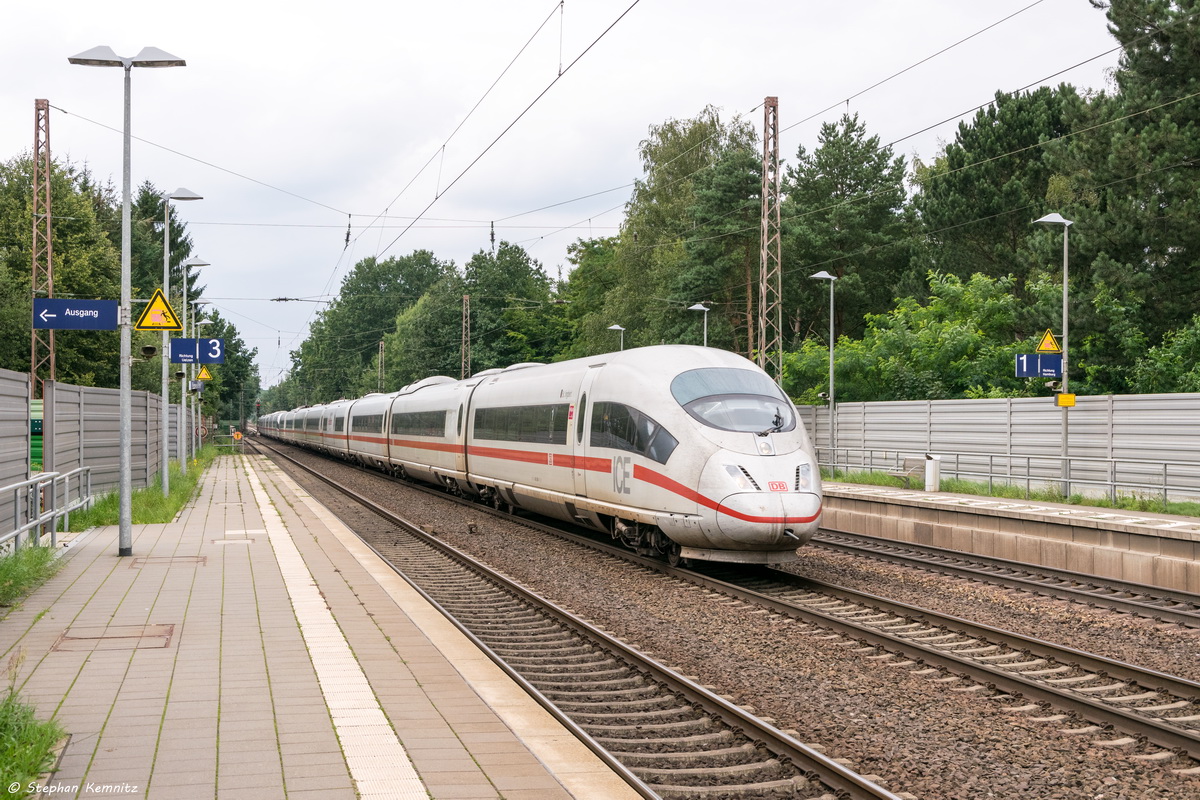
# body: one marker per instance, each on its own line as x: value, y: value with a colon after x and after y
x: 673, y: 555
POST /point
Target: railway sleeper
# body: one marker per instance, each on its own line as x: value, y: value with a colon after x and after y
x: 636, y: 731
x: 529, y: 637
x: 676, y: 744
x: 512, y: 612
x: 640, y: 705
x: 787, y: 787
x: 545, y: 649
x: 614, y: 684
x: 741, y: 754
x: 526, y: 626
x: 570, y: 681
x: 594, y: 659
x: 657, y: 716
x: 474, y: 599
x: 760, y: 771
x: 620, y: 695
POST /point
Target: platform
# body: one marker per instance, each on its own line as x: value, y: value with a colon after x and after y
x: 1139, y: 547
x: 254, y: 648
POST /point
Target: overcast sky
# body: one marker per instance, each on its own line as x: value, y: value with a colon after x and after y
x: 293, y: 118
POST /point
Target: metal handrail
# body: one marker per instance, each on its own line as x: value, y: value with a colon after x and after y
x: 39, y: 508
x: 1120, y: 474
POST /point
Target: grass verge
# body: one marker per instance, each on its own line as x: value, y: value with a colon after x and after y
x: 23, y: 571
x: 148, y: 505
x: 26, y: 743
x: 1125, y: 502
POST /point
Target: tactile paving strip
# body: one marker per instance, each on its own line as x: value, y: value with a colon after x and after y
x: 378, y: 762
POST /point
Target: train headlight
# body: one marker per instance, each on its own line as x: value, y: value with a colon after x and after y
x: 739, y: 477
x: 765, y: 446
x: 803, y: 476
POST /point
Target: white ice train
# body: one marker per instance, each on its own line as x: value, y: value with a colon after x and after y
x: 685, y: 452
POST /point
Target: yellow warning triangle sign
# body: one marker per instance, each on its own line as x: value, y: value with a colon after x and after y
x: 1048, y: 344
x: 158, y: 315
x: 204, y: 375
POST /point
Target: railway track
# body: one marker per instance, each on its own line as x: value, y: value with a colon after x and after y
x: 1149, y: 706
x: 1159, y: 604
x: 667, y: 735
x: 1155, y: 712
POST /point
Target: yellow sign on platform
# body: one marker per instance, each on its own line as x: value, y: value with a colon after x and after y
x: 158, y: 315
x: 1066, y: 400
x: 1048, y: 344
x: 204, y: 375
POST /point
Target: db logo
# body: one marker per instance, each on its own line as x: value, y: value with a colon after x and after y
x: 777, y: 486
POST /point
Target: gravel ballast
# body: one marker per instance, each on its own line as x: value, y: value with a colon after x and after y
x: 918, y: 735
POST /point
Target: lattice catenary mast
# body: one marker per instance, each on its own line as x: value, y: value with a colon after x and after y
x: 770, y: 328
x: 41, y: 347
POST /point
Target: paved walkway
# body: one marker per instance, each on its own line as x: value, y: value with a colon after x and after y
x: 254, y: 648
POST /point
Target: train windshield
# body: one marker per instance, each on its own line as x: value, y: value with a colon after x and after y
x: 734, y: 400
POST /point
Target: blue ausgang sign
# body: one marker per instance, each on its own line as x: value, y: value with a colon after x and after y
x: 1039, y: 365
x: 197, y: 351
x: 77, y: 315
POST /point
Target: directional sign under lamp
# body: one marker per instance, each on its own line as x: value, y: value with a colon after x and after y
x: 1039, y: 365
x: 75, y: 315
x: 197, y: 351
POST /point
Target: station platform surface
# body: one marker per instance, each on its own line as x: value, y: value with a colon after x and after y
x: 255, y: 648
x: 1148, y: 522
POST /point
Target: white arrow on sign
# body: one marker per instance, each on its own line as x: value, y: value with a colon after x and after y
x: 46, y: 314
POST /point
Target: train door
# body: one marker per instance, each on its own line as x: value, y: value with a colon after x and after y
x: 579, y: 431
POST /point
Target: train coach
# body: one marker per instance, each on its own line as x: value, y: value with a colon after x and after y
x: 680, y: 451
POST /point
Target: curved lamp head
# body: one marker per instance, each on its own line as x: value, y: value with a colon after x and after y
x: 823, y: 275
x: 182, y: 194
x: 1054, y: 219
x: 103, y: 56
x: 698, y: 307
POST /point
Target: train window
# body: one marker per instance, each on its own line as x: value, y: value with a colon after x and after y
x: 420, y: 423
x: 458, y: 428
x: 579, y: 421
x: 339, y: 424
x: 661, y: 446
x: 620, y: 427
x: 734, y: 400
x: 612, y: 426
x: 310, y: 422
x: 534, y: 424
x: 367, y: 423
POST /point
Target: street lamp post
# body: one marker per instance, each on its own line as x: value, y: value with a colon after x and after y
x: 622, y: 330
x: 104, y: 56
x: 165, y: 430
x: 825, y: 276
x: 704, y: 308
x: 1058, y: 219
x: 185, y: 441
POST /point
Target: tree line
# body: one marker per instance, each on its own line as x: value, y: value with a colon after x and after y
x: 86, y: 235
x: 942, y: 276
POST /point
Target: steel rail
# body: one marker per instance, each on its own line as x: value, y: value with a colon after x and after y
x: 930, y: 557
x: 809, y: 761
x: 1150, y: 729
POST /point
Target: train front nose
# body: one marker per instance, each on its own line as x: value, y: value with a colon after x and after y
x: 769, y: 518
x: 763, y: 502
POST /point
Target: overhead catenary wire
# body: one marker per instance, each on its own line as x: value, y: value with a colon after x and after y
x: 517, y: 119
